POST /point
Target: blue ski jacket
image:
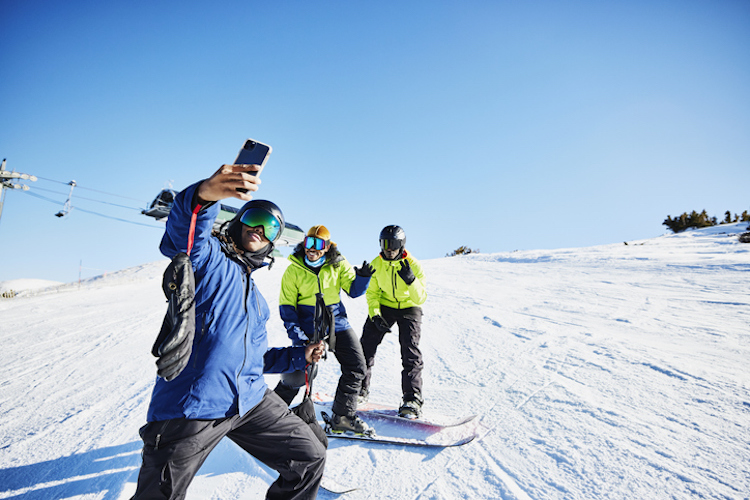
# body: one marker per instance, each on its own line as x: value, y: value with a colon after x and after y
x: 224, y: 376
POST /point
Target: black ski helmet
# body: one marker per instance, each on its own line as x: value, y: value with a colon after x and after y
x: 235, y: 225
x: 392, y: 237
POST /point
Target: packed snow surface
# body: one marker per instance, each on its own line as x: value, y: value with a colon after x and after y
x: 610, y: 372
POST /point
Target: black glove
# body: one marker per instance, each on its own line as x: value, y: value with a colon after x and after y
x: 175, y: 341
x: 380, y: 324
x: 306, y: 411
x: 406, y: 273
x: 365, y: 271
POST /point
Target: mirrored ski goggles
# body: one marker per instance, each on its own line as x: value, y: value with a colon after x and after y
x: 255, y: 217
x: 313, y: 243
x: 390, y: 245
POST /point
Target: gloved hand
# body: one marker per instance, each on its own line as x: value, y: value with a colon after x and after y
x: 406, y: 273
x: 174, y: 344
x: 380, y: 324
x: 365, y: 271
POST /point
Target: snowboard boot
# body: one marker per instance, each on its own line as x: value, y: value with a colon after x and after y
x: 343, y: 423
x: 412, y: 407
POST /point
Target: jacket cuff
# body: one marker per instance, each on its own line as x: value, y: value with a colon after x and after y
x: 298, y: 358
x: 197, y: 200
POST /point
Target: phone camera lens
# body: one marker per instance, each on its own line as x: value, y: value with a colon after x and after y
x: 250, y: 145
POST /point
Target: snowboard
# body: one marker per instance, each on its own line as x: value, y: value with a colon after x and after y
x: 389, y: 428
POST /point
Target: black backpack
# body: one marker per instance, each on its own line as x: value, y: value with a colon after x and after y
x: 175, y: 341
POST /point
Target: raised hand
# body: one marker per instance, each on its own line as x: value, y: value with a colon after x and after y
x: 226, y: 181
x: 365, y: 271
x: 406, y: 273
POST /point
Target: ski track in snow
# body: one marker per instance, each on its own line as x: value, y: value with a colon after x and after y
x: 610, y: 372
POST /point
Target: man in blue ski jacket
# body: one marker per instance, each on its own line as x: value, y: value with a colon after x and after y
x: 221, y: 390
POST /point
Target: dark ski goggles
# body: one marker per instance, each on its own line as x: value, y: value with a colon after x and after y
x: 391, y: 245
x: 255, y: 217
x: 313, y: 243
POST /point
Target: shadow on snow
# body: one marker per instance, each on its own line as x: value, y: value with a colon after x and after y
x: 104, y: 469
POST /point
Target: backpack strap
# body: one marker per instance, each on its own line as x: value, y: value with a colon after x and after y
x: 191, y: 232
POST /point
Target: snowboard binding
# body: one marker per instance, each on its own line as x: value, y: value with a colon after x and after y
x: 334, y: 428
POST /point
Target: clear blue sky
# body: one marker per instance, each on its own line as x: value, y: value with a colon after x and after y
x: 494, y: 124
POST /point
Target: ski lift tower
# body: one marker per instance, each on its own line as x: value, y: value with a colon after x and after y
x: 7, y: 181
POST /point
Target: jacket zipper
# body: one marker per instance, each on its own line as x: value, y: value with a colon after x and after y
x: 257, y: 302
x: 247, y: 283
x: 395, y: 299
x: 247, y: 327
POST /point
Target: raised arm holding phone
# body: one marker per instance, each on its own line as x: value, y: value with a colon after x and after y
x: 221, y: 391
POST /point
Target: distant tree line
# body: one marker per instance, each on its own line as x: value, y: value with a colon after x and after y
x: 698, y: 220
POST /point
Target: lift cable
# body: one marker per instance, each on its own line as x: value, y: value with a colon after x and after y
x: 118, y: 219
x: 92, y: 212
x: 90, y: 189
x: 88, y: 199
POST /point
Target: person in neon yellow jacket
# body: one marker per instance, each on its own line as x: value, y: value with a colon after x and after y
x: 317, y: 266
x: 394, y: 296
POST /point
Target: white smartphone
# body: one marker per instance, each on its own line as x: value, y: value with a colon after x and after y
x: 253, y: 153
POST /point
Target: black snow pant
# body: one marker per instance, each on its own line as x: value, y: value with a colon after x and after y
x: 174, y: 450
x: 349, y: 354
x: 409, y: 331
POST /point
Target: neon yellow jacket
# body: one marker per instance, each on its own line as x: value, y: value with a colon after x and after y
x: 299, y: 284
x: 388, y: 289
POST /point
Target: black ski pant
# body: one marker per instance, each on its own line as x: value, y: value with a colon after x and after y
x: 348, y: 352
x: 174, y: 450
x: 409, y: 323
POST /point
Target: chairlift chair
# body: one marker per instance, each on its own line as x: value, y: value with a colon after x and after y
x: 162, y: 204
x: 66, y: 207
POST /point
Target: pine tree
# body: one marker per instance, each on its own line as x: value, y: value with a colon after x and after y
x: 693, y: 219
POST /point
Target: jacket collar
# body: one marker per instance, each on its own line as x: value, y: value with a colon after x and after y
x: 404, y: 256
x: 249, y: 260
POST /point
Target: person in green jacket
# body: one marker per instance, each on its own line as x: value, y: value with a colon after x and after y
x: 394, y: 296
x: 317, y: 266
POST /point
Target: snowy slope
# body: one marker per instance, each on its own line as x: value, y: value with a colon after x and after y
x: 17, y: 286
x: 611, y: 372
